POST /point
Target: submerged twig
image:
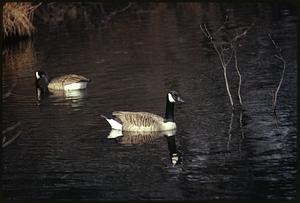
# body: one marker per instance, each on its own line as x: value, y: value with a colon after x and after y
x: 241, y: 124
x: 229, y: 59
x: 242, y: 131
x: 222, y: 26
x: 9, y: 92
x: 11, y: 128
x: 276, y: 118
x: 239, y: 74
x: 5, y: 144
x: 231, y: 127
x: 243, y: 33
x: 229, y: 131
x: 125, y: 8
x: 280, y: 57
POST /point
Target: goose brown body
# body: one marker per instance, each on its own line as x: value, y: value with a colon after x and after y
x: 60, y: 82
x: 142, y: 121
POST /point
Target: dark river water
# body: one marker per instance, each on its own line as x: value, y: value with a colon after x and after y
x: 65, y: 150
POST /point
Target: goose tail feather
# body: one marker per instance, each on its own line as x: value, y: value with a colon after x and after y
x: 112, y: 122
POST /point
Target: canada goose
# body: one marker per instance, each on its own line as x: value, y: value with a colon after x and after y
x: 64, y: 82
x: 144, y: 121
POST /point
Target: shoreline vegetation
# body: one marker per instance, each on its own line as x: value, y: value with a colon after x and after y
x: 17, y: 19
x: 21, y: 19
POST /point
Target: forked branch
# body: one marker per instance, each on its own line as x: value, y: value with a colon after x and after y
x: 5, y: 144
x: 221, y: 58
x: 224, y: 47
x: 281, y: 58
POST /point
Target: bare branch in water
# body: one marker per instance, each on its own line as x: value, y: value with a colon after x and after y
x: 229, y: 131
x: 221, y: 58
x: 243, y: 33
x: 222, y: 26
x: 239, y: 74
x: 225, y: 60
x: 280, y: 57
x: 127, y: 7
x: 204, y: 32
x: 241, y: 124
x: 11, y: 128
x: 8, y: 93
x: 5, y: 144
x: 242, y: 130
x: 230, y: 128
x: 276, y: 118
x: 235, y: 59
x: 229, y: 59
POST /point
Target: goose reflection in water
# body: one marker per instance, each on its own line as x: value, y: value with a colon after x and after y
x: 61, y: 97
x: 139, y: 138
x: 175, y: 155
x: 70, y: 94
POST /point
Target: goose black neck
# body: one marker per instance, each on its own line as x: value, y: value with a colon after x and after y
x: 42, y: 84
x: 169, y: 116
x: 172, y: 144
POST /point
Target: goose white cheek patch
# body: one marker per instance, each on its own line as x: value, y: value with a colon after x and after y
x: 37, y: 75
x: 171, y: 99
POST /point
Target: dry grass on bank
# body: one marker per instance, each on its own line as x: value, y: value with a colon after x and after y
x: 17, y: 19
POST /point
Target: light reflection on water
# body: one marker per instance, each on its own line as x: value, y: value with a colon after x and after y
x: 64, y: 150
